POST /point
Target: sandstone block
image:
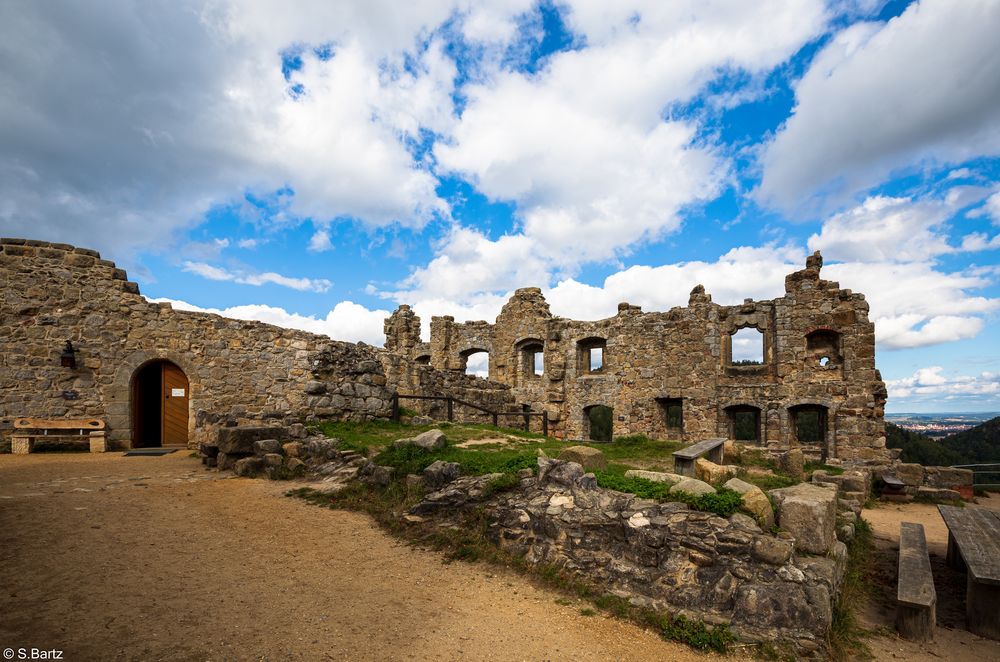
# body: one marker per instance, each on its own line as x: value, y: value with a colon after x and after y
x: 912, y: 475
x: 655, y: 476
x: 712, y: 473
x: 293, y: 449
x: 936, y: 494
x: 241, y: 439
x: 587, y: 457
x: 295, y: 465
x: 754, y: 501
x: 273, y: 459
x: 809, y: 513
x: 792, y: 463
x: 430, y: 440
x: 415, y: 482
x: 264, y: 446
x: 248, y: 466
x: 692, y: 486
x: 375, y: 474
x: 947, y: 477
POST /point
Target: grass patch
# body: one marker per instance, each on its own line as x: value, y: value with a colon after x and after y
x: 813, y: 465
x: 767, y: 481
x: 846, y: 634
x: 724, y: 502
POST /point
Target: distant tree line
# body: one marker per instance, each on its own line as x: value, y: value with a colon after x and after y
x: 980, y: 444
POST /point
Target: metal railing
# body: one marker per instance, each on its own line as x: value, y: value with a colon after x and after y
x: 451, y: 402
x: 979, y: 471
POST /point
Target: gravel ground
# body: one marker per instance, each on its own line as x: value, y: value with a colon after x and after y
x: 154, y: 558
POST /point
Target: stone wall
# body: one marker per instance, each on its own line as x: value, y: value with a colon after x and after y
x: 239, y: 372
x: 818, y: 360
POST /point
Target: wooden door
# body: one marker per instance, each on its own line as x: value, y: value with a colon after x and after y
x: 175, y: 406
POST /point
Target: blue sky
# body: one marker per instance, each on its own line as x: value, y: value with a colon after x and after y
x: 317, y: 168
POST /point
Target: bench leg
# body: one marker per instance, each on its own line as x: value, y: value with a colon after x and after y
x: 916, y: 623
x: 21, y: 445
x: 953, y: 556
x: 981, y: 613
x: 684, y: 467
x: 98, y: 442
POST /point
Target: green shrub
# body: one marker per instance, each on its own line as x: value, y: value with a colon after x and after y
x: 723, y: 502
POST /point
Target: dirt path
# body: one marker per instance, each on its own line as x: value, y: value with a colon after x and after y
x: 952, y: 641
x: 114, y: 558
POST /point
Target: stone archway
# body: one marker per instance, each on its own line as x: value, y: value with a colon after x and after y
x: 160, y: 397
x: 119, y: 394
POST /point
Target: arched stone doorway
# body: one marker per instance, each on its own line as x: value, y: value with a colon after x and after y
x: 160, y: 396
x: 810, y: 424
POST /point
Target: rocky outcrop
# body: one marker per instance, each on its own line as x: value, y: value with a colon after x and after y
x: 661, y: 555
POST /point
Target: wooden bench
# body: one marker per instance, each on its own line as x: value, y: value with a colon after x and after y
x: 974, y: 545
x: 684, y: 459
x: 916, y: 599
x: 28, y: 430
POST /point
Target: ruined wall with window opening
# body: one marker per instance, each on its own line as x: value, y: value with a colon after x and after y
x: 677, y: 375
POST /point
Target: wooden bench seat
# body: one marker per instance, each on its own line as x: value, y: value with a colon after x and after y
x: 28, y: 430
x: 974, y: 546
x: 916, y: 599
x: 684, y: 459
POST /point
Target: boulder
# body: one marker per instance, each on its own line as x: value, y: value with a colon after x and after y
x: 248, y: 466
x: 265, y: 446
x: 415, y: 482
x: 321, y: 449
x: 293, y: 449
x: 559, y: 472
x: 587, y: 457
x: 692, y: 486
x: 771, y: 550
x: 430, y: 440
x: 273, y: 459
x: 375, y: 474
x: 754, y: 501
x: 226, y: 461
x: 295, y: 465
x: 809, y: 513
x: 712, y: 473
x: 241, y: 439
x: 655, y: 476
x: 441, y: 473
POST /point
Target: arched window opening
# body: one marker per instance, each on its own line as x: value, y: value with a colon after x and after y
x: 423, y: 359
x: 598, y: 420
x: 746, y: 346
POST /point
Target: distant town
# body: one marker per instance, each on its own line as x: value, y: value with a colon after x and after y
x: 938, y: 426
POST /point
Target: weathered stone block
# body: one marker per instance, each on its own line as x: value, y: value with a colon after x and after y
x: 809, y: 513
x: 265, y: 446
x: 912, y: 475
x: 754, y: 501
x: 771, y: 550
x: 248, y: 466
x: 692, y: 486
x: 587, y: 457
x: 430, y: 440
x: 293, y: 449
x: 712, y: 473
x: 441, y: 473
x: 241, y: 439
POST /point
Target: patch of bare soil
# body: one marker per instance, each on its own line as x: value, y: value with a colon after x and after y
x: 153, y: 558
x: 952, y: 640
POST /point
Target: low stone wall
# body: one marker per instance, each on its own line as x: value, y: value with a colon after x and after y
x: 665, y: 556
x: 408, y: 378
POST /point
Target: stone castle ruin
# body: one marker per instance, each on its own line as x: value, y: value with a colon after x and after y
x: 673, y: 374
x: 158, y: 376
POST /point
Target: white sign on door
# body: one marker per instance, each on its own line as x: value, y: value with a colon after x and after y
x: 176, y: 393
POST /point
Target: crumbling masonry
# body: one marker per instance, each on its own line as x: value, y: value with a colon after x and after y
x: 671, y: 374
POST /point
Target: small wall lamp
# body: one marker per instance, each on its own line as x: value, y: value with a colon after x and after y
x: 68, y: 356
